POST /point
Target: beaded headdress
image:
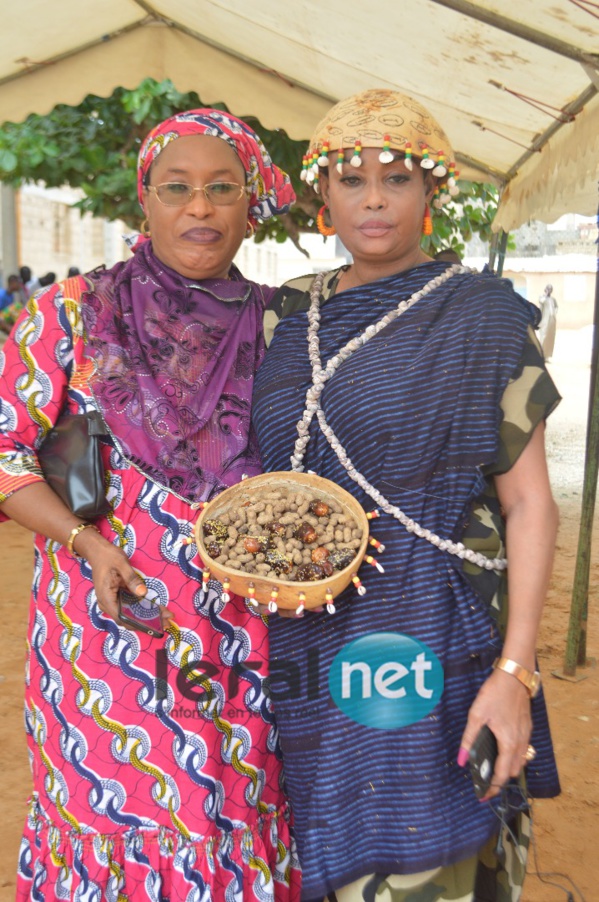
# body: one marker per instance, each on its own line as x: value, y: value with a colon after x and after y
x: 389, y: 120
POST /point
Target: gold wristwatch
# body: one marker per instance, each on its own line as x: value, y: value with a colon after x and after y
x: 73, y: 535
x: 529, y: 678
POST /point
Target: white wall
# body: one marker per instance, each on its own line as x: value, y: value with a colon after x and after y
x: 571, y: 275
x: 52, y: 235
x: 272, y: 263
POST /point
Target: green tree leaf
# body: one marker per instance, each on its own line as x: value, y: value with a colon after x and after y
x: 8, y: 161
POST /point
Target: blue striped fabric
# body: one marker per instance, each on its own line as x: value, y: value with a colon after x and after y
x: 417, y: 409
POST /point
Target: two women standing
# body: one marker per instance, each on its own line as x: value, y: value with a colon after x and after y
x: 419, y: 388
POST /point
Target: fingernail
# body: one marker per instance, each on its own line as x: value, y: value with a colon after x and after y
x: 140, y: 590
x: 462, y: 758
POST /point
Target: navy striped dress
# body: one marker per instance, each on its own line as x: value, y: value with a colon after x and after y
x: 417, y: 410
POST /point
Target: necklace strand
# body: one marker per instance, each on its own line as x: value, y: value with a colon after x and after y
x: 321, y: 375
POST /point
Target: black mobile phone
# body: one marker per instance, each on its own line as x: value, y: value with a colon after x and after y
x: 140, y: 614
x: 482, y: 757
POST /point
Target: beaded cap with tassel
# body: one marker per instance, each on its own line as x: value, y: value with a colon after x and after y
x: 391, y: 121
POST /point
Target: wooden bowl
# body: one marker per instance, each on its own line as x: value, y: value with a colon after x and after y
x: 289, y: 591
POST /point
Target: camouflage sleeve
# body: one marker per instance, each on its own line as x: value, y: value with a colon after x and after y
x: 292, y: 297
x: 530, y: 397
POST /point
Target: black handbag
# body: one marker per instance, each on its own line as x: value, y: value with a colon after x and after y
x: 72, y: 465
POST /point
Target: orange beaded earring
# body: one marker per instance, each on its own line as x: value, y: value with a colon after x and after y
x: 323, y: 228
x: 427, y: 222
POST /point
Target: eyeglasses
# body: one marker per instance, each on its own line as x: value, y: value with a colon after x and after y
x: 219, y: 194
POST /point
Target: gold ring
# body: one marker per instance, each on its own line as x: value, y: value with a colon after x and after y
x: 531, y: 754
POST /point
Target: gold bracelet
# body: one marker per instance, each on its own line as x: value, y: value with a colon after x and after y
x: 74, y: 533
x: 529, y: 678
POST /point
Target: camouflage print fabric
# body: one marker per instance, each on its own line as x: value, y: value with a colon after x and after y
x: 501, y: 881
x: 453, y: 883
x: 482, y: 878
x: 528, y: 399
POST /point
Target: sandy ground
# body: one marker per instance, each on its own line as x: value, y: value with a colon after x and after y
x: 566, y: 828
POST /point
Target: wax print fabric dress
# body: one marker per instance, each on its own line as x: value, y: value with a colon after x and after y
x: 156, y: 771
x: 428, y: 409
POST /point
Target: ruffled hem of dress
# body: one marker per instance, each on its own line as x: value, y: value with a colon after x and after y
x: 252, y: 862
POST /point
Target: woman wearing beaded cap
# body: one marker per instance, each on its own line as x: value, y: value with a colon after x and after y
x: 421, y: 389
x: 146, y: 787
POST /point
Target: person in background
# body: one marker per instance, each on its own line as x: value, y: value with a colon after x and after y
x: 48, y: 279
x: 30, y: 282
x: 10, y: 312
x: 155, y: 761
x: 421, y: 389
x: 11, y: 293
x: 73, y: 271
x: 548, y: 325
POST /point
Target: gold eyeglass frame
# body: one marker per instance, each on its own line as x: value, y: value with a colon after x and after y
x: 243, y: 189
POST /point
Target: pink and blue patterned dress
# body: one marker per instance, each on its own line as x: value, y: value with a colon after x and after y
x: 155, y: 762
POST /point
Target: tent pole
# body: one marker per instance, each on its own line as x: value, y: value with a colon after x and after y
x: 503, y: 236
x: 591, y: 449
x: 493, y: 250
x: 10, y: 231
x: 577, y: 629
x: 576, y: 646
x: 496, y: 237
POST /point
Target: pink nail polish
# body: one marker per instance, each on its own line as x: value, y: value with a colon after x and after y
x: 462, y: 758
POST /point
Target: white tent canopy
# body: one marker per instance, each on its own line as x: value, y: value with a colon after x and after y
x: 495, y: 73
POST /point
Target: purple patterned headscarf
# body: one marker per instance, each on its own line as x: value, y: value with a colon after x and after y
x: 175, y: 363
x: 270, y: 188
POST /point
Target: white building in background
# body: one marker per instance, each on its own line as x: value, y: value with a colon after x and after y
x: 571, y: 275
x: 272, y: 263
x: 52, y: 236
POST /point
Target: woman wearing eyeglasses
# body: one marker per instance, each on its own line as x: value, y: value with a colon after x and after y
x: 154, y: 759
